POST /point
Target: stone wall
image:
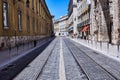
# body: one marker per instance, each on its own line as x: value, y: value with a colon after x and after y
x: 98, y: 28
x: 116, y: 22
x: 105, y: 20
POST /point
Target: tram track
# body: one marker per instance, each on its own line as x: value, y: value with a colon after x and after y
x: 39, y: 74
x: 91, y: 69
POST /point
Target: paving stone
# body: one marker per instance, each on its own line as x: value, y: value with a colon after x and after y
x: 109, y: 64
x: 93, y: 70
x: 73, y: 71
x: 35, y: 67
x: 51, y: 69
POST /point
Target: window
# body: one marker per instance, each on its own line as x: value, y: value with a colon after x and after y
x: 27, y: 3
x: 37, y: 26
x: 33, y: 4
x: 5, y: 14
x: 39, y: 9
x: 33, y: 25
x: 36, y: 7
x: 28, y: 23
x: 19, y: 20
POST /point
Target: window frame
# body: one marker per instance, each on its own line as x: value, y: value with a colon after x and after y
x: 33, y: 5
x: 33, y: 24
x: 5, y: 25
x: 19, y: 20
x: 28, y: 23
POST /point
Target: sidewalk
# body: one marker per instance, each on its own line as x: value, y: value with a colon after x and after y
x: 8, y: 55
x: 103, y: 47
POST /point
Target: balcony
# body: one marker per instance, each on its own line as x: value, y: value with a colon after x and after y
x: 86, y: 22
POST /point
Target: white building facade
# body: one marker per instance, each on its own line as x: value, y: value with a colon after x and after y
x: 83, y: 15
x: 72, y: 17
x: 61, y: 26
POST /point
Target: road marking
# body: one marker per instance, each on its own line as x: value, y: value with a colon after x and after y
x: 62, y: 75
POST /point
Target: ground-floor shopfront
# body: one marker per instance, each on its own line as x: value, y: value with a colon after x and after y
x: 84, y: 32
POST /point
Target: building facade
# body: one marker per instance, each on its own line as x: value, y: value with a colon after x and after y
x: 83, y: 15
x: 105, y: 20
x: 72, y: 17
x: 23, y: 21
x: 56, y: 28
x: 61, y: 26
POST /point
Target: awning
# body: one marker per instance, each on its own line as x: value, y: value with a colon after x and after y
x: 71, y: 27
x: 85, y: 28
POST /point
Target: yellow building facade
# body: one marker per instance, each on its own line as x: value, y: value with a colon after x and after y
x: 23, y: 21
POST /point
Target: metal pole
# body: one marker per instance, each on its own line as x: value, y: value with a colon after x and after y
x: 101, y: 45
x: 28, y: 42
x: 96, y: 44
x: 9, y: 48
x: 17, y: 48
x: 15, y: 41
x: 23, y: 46
x: 107, y: 47
x: 118, y: 49
x: 91, y: 42
x: 10, y: 52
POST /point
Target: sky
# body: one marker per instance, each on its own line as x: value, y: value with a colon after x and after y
x: 58, y: 8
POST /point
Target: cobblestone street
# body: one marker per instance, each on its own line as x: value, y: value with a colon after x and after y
x: 60, y: 40
x: 73, y: 71
x: 51, y: 70
x: 64, y: 59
